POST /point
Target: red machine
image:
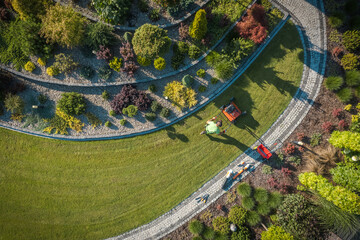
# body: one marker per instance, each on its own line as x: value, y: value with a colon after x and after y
x: 231, y: 112
x: 267, y: 152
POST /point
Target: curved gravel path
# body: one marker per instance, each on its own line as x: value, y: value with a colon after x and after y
x: 309, y: 17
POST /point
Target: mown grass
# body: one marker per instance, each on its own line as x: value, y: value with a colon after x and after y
x: 90, y: 190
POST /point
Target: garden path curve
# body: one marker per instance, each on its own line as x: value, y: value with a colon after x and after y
x: 309, y: 17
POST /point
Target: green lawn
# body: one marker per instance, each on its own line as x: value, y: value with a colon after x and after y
x: 91, y: 190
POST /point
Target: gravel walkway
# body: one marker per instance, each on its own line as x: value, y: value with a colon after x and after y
x: 310, y: 19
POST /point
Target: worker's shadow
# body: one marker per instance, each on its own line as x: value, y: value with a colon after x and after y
x: 226, y: 139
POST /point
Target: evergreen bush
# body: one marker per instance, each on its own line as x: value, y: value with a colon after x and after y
x: 244, y: 189
x: 261, y: 195
x: 253, y: 218
x: 201, y: 73
x: 237, y: 215
x: 248, y: 203
x: 276, y: 232
x: 143, y: 61
x: 196, y: 227
x: 180, y: 95
x: 334, y: 83
x: 112, y: 11
x: 160, y: 64
x: 116, y: 64
x: 187, y: 80
x: 29, y: 66
x: 194, y: 52
x: 198, y: 27
x: 165, y: 112
x: 99, y: 34
x: 86, y: 72
x: 350, y: 61
x: 352, y: 78
x: 52, y: 71
x: 64, y: 64
x: 72, y: 103
x: 123, y: 122
x: 151, y: 116
x: 221, y: 224
x: 130, y: 110
x: 14, y: 104
x: 345, y: 94
x: 351, y: 40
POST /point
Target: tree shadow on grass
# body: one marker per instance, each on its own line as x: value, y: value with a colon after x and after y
x: 172, y: 134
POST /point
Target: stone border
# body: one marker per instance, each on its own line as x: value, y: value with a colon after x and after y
x: 314, y: 68
x: 144, y: 80
x: 184, y: 115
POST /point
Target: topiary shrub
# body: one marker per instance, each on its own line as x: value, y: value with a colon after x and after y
x: 112, y: 113
x: 237, y: 215
x: 263, y: 209
x: 194, y: 52
x: 41, y: 62
x: 351, y: 40
x: 198, y: 27
x: 208, y: 233
x: 152, y: 88
x: 129, y: 95
x: 350, y: 61
x: 29, y: 66
x: 183, y: 47
x: 108, y: 124
x: 87, y: 72
x: 160, y: 64
x: 253, y: 218
x: 114, y: 12
x: 201, y: 73
x: 187, y: 80
x: 150, y: 41
x: 165, y: 112
x: 150, y: 116
x: 99, y: 34
x: 116, y: 64
x: 130, y: 110
x: 52, y: 71
x: 276, y: 232
x: 65, y: 64
x: 352, y: 78
x: 105, y: 95
x: 242, y: 233
x: 334, y: 83
x: 345, y: 94
x: 261, y: 195
x: 221, y: 224
x: 14, y: 103
x: 196, y: 227
x: 123, y: 122
x: 72, y: 103
x: 180, y: 95
x: 248, y: 203
x: 244, y: 189
x: 275, y: 199
x: 143, y: 61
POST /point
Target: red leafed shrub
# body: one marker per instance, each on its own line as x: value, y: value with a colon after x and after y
x: 257, y: 11
x: 336, y: 51
x: 327, y: 127
x: 128, y: 55
x: 301, y: 149
x: 337, y: 112
x: 4, y: 14
x: 220, y: 207
x: 284, y: 188
x: 244, y: 27
x: 343, y: 124
x: 300, y: 136
x: 273, y: 183
x: 258, y: 34
x: 130, y: 96
x: 286, y: 172
x: 289, y: 149
x: 104, y: 53
x: 183, y: 31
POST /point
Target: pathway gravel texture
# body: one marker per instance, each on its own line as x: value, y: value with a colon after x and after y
x: 309, y: 17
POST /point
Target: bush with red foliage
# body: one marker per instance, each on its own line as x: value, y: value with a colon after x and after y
x: 343, y: 124
x: 286, y: 172
x: 183, y: 31
x: 273, y: 183
x: 300, y: 136
x: 284, y: 187
x: 336, y: 51
x: 301, y: 149
x: 258, y: 34
x: 104, y: 53
x: 258, y: 12
x: 327, y: 127
x: 289, y: 149
x: 128, y: 55
x: 129, y: 95
x: 220, y: 207
x: 337, y: 113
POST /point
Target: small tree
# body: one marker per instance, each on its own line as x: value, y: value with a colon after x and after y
x: 64, y: 26
x: 198, y: 27
x: 14, y: 103
x: 72, y: 103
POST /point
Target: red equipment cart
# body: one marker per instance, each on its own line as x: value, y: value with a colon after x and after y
x: 231, y: 112
x: 267, y: 152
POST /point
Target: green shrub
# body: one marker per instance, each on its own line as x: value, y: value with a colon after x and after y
x: 351, y: 40
x: 105, y: 95
x: 248, y: 203
x: 42, y: 98
x: 187, y: 80
x: 208, y: 233
x: 315, y: 139
x: 244, y: 189
x: 128, y: 37
x: 222, y: 64
x: 347, y: 175
x: 336, y: 21
x: 198, y: 27
x: 194, y: 52
x: 266, y: 169
x: 352, y: 78
x: 276, y: 232
x: 261, y: 195
x: 123, y: 122
x: 239, y: 48
x: 52, y: 71
x: 214, y: 80
x: 275, y: 199
x: 202, y: 88
x: 178, y: 57
x: 165, y: 112
x: 143, y: 61
x: 41, y: 62
x: 116, y: 64
x: 160, y: 64
x: 253, y: 218
x: 294, y: 159
x: 201, y: 73
x: 357, y: 92
x: 340, y: 196
x: 183, y: 47
x: 113, y: 11
x: 108, y: 124
x: 86, y: 72
x: 112, y: 113
x: 196, y: 227
x: 151, y: 116
x: 263, y: 209
x: 155, y: 106
x: 180, y: 95
x: 93, y: 120
x: 334, y: 83
x: 14, y: 104
x: 104, y: 72
x: 345, y: 94
x: 29, y: 66
x: 350, y: 61
x: 99, y: 34
x: 64, y: 26
x: 150, y: 41
x: 242, y: 233
x: 64, y: 64
x: 221, y: 224
x: 72, y: 103
x: 131, y: 110
x: 152, y: 88
x: 345, y: 139
x: 237, y: 215
x: 154, y: 15
x: 30, y: 8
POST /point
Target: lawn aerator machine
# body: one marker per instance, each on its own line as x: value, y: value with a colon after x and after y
x: 231, y: 113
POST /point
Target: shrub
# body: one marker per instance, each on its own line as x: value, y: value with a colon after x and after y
x: 108, y: 124
x: 198, y: 27
x: 237, y: 215
x: 180, y: 95
x: 253, y: 218
x: 104, y: 72
x: 194, y: 52
x: 104, y: 53
x: 72, y: 103
x: 261, y: 195
x: 244, y: 190
x: 52, y: 71
x: 276, y: 232
x: 327, y: 127
x: 116, y: 64
x: 123, y: 122
x: 315, y: 139
x: 183, y: 47
x: 350, y: 61
x: 105, y: 95
x: 183, y: 31
x: 128, y: 37
x: 93, y: 120
x: 336, y: 51
x: 154, y: 15
x: 30, y: 8
x: 297, y: 216
x: 242, y: 233
x: 346, y: 139
x: 294, y: 159
x: 208, y: 233
x: 340, y: 196
x: 343, y: 124
x: 42, y: 98
x: 289, y: 149
x: 143, y: 6
x: 201, y: 73
x: 112, y: 113
x: 178, y: 57
x: 222, y: 64
x: 275, y: 199
x: 263, y: 209
x: 239, y: 48
x: 155, y: 106
x: 202, y: 88
x: 130, y: 110
x: 150, y: 41
x: 347, y: 175
x: 64, y: 26
x: 29, y: 66
x: 337, y: 113
x: 345, y: 94
x: 87, y: 72
x: 14, y: 104
x: 187, y: 80
x: 152, y: 88
x: 266, y: 169
x: 160, y: 64
x: 150, y: 116
x: 357, y: 92
x: 248, y: 203
x: 214, y: 80
x: 351, y: 40
x: 41, y: 62
x: 127, y: 53
x: 114, y: 12
x: 99, y: 34
x: 196, y: 227
x: 352, y: 78
x: 334, y: 83
x: 221, y: 224
x: 165, y: 112
x: 129, y: 95
x: 336, y: 21
x: 65, y: 64
x: 143, y: 61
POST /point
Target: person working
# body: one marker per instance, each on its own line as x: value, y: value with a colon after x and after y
x: 212, y: 127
